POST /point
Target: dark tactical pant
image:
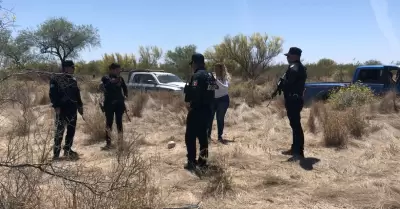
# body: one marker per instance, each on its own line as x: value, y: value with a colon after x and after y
x: 219, y: 107
x: 116, y: 108
x: 196, y: 127
x: 294, y: 105
x: 66, y: 117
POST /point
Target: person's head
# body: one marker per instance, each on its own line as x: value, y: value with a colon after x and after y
x: 68, y: 67
x: 114, y: 69
x: 221, y: 71
x: 197, y: 61
x: 294, y: 54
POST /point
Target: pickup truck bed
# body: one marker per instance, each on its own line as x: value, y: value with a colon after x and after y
x: 379, y: 78
x: 320, y: 90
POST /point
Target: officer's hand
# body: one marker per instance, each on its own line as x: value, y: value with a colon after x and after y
x: 80, y: 110
x: 57, y: 110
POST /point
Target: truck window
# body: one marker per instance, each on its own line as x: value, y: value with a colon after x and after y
x: 136, y: 78
x: 144, y: 78
x: 370, y: 76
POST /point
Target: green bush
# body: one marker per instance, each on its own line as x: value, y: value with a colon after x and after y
x: 351, y: 96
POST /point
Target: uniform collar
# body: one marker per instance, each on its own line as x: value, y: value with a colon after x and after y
x: 199, y: 69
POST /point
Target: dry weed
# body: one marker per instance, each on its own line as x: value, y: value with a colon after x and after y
x: 355, y: 122
x: 388, y: 104
x: 94, y: 125
x: 315, y: 114
x: 279, y: 105
x: 335, y: 135
x: 220, y: 182
x: 138, y: 103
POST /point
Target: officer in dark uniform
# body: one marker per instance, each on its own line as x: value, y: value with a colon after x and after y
x: 199, y: 94
x: 66, y: 100
x: 115, y: 93
x: 293, y: 89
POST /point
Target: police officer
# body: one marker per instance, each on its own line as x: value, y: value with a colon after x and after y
x: 115, y: 93
x: 66, y: 100
x: 293, y: 88
x: 199, y: 95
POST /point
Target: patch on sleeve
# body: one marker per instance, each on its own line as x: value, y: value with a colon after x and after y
x: 294, y: 67
x: 195, y: 83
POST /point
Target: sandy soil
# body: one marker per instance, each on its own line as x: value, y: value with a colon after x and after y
x: 364, y: 175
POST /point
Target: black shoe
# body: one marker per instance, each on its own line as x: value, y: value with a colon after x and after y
x: 108, y: 146
x: 70, y: 154
x: 56, y: 158
x: 222, y: 141
x: 190, y: 166
x: 295, y: 158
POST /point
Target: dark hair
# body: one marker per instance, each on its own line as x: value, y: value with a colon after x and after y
x: 114, y: 66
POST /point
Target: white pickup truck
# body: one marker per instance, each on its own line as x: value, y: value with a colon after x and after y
x: 154, y: 80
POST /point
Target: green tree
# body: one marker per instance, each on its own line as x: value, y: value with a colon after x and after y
x: 372, y: 62
x: 149, y: 57
x: 252, y: 53
x: 7, y: 18
x: 177, y: 60
x: 62, y: 38
x: 16, y: 50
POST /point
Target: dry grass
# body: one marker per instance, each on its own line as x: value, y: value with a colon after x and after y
x: 247, y: 173
x: 138, y: 103
x: 94, y: 125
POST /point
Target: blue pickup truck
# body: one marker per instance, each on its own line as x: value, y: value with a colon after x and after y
x: 380, y: 78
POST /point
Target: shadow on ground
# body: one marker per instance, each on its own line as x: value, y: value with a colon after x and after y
x: 308, y: 163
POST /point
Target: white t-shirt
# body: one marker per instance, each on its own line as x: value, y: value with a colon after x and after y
x: 223, y: 88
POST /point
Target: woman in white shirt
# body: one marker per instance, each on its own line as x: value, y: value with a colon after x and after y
x: 221, y: 101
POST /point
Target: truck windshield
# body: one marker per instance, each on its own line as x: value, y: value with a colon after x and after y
x: 168, y: 78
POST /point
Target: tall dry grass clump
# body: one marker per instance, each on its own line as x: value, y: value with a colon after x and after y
x: 317, y: 112
x: 388, y: 103
x: 95, y: 125
x: 138, y: 104
x: 220, y: 182
x: 334, y: 132
x: 252, y: 94
x: 174, y: 102
x: 355, y: 122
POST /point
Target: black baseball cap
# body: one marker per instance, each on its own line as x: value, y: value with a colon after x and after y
x: 197, y: 58
x: 294, y: 51
x: 68, y: 63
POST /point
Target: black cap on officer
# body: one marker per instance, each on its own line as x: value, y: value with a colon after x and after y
x: 294, y: 51
x: 67, y: 63
x: 197, y: 58
x: 114, y: 66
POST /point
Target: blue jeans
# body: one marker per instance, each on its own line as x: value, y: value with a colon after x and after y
x: 220, y: 106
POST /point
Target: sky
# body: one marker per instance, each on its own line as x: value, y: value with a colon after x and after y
x: 342, y: 30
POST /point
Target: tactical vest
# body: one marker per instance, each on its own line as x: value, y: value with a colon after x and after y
x: 212, y: 85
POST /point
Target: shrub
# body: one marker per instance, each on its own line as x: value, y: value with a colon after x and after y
x: 353, y: 95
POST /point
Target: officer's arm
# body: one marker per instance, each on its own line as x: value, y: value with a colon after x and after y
x: 54, y: 93
x: 106, y: 82
x: 293, y: 73
x: 79, y: 102
x: 124, y: 87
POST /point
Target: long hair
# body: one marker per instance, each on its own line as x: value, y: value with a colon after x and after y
x: 225, y: 74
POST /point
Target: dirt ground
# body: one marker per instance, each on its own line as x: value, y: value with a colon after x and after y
x: 252, y: 171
